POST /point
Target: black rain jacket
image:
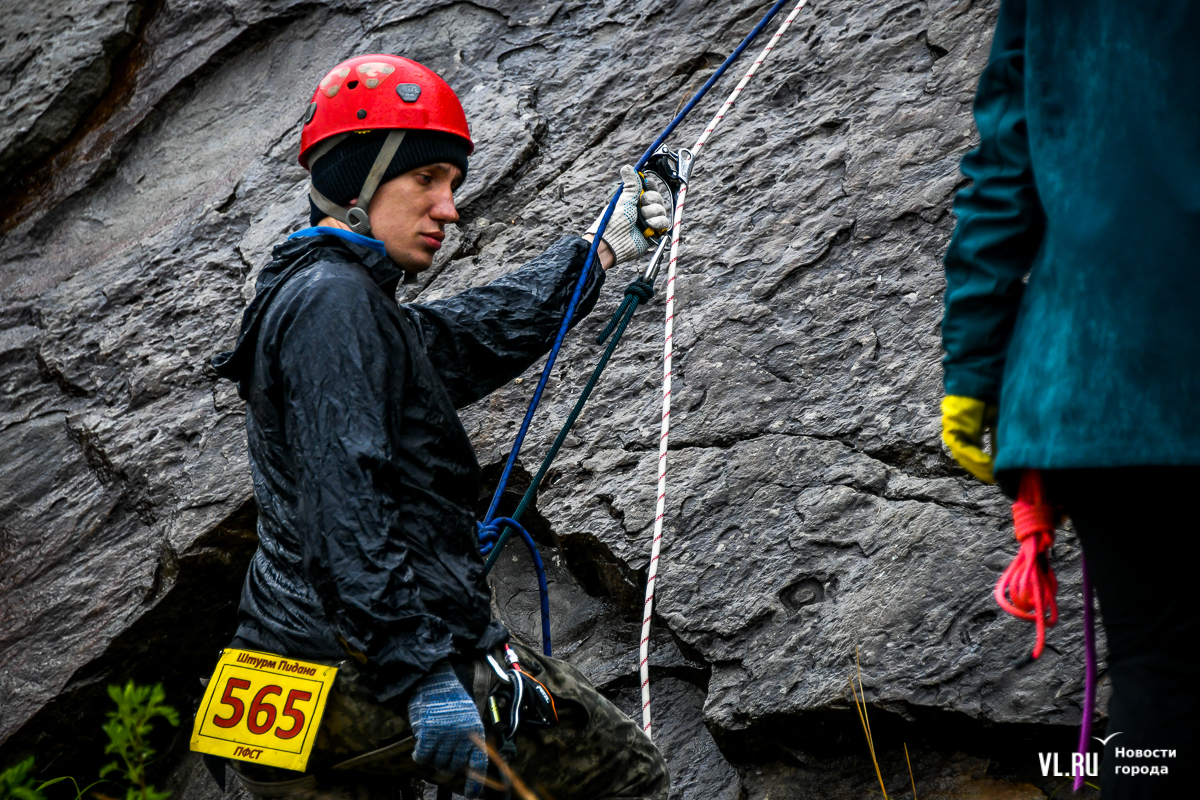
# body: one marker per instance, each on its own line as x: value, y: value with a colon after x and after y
x: 364, y: 477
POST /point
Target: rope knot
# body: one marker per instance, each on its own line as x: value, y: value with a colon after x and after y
x: 1033, y: 519
x: 642, y: 289
x: 489, y: 534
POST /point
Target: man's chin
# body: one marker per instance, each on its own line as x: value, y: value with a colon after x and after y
x: 412, y: 263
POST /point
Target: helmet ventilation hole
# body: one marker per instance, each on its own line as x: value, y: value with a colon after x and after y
x: 352, y: 84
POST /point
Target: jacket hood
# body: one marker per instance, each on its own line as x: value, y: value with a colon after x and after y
x: 287, y: 260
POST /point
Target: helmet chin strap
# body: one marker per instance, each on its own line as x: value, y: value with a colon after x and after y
x: 356, y: 216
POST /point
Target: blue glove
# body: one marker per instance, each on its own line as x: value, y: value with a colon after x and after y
x: 444, y: 720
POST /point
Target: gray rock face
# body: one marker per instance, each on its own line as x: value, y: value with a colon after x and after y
x: 55, y: 64
x: 811, y: 510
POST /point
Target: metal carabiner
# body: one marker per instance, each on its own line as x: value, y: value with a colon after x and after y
x: 496, y: 668
x: 656, y: 260
x: 518, y: 698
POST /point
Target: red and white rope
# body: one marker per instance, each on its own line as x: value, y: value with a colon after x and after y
x: 660, y: 511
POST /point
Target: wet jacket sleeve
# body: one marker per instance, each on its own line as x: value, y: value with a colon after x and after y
x: 1000, y: 222
x: 480, y: 339
x: 343, y: 367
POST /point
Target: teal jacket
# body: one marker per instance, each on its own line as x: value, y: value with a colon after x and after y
x: 1073, y: 276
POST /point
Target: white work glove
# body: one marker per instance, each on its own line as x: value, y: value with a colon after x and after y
x: 654, y: 210
x: 623, y: 235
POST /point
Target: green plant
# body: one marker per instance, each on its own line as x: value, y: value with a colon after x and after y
x: 17, y: 783
x: 128, y: 729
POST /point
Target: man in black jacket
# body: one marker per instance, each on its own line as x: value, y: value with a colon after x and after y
x: 364, y: 476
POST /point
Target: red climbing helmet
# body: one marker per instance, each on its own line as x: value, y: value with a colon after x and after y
x: 380, y: 92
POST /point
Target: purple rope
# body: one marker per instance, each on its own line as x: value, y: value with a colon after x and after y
x: 1089, y: 680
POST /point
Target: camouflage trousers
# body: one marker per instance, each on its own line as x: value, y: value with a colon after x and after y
x: 363, y: 747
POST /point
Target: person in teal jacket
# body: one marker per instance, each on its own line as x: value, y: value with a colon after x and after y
x: 1072, y: 329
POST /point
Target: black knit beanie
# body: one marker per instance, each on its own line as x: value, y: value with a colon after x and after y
x: 339, y: 174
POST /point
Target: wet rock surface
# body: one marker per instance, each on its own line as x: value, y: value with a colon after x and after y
x: 55, y: 64
x: 148, y: 151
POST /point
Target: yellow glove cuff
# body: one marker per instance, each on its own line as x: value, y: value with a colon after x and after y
x: 963, y: 422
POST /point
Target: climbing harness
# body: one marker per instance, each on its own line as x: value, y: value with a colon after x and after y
x: 672, y: 170
x: 1028, y: 589
x: 517, y: 699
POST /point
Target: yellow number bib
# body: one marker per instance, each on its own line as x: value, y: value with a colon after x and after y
x: 262, y: 708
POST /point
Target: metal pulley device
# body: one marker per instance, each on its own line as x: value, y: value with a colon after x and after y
x: 665, y: 172
x: 662, y: 174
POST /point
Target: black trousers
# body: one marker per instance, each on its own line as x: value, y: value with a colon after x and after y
x: 1141, y: 537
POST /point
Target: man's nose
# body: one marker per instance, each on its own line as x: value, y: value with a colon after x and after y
x: 443, y: 209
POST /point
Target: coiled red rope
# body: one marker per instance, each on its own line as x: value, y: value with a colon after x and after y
x: 1028, y: 588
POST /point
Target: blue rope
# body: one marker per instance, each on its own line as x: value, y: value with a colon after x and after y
x: 716, y: 76
x: 490, y: 528
x: 562, y: 333
x: 640, y: 290
x: 488, y: 536
x: 591, y: 257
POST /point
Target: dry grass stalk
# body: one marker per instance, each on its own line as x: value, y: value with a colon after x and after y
x: 511, y: 778
x: 910, y: 772
x: 865, y: 720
